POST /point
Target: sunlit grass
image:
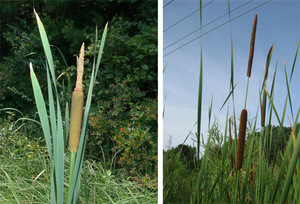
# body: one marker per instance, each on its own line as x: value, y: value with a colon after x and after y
x: 27, y: 180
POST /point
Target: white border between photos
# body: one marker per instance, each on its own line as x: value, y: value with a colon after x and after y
x: 160, y: 101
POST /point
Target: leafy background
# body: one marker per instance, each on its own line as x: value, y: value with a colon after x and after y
x: 123, y: 120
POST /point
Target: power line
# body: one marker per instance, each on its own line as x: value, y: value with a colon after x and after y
x: 206, y: 25
x: 187, y: 16
x: 168, y: 3
x: 216, y: 28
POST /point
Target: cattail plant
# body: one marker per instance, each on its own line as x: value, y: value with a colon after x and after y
x: 77, y: 106
x: 251, y: 54
x: 76, y: 113
x: 241, y: 139
x: 54, y: 133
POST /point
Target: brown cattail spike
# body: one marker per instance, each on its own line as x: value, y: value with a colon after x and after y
x: 77, y: 106
x: 241, y: 139
x: 252, y: 47
x: 80, y: 69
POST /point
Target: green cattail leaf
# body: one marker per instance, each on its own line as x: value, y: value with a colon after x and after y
x: 67, y: 122
x: 40, y: 103
x: 51, y: 107
x: 295, y: 58
x: 273, y: 106
x: 209, y: 111
x: 199, y: 109
x: 291, y: 170
x: 53, y: 195
x: 59, y: 160
x: 231, y: 93
x: 46, y: 47
x: 288, y: 90
x: 272, y: 92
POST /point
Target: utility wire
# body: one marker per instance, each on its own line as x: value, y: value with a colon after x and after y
x: 187, y: 16
x: 168, y: 3
x: 206, y: 25
x: 216, y: 28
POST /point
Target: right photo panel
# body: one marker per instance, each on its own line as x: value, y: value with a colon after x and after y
x: 231, y: 101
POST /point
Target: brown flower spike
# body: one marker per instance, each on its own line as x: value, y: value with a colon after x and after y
x: 77, y: 106
x: 241, y: 139
x: 252, y: 47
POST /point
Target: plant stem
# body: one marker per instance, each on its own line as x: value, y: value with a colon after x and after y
x: 246, y: 92
x: 73, y: 155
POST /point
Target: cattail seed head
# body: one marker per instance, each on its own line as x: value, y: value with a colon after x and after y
x: 80, y: 69
x: 76, y: 120
x: 252, y: 46
x: 241, y: 139
x: 77, y: 106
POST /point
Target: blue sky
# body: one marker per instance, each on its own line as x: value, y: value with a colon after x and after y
x: 278, y: 23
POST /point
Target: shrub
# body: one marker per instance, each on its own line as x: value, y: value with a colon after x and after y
x: 124, y: 130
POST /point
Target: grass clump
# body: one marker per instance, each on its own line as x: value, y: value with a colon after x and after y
x: 25, y: 174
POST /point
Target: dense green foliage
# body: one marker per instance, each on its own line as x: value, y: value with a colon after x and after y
x: 180, y: 173
x: 25, y: 173
x: 180, y: 177
x: 125, y: 95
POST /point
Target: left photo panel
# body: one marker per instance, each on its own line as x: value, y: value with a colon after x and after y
x: 79, y: 101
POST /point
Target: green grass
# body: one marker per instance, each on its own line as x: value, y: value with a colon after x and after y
x: 20, y: 182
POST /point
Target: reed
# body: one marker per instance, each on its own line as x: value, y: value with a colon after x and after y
x: 241, y: 140
x: 251, y: 53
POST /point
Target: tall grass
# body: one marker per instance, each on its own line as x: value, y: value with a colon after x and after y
x: 232, y: 184
x: 253, y: 177
x: 26, y: 180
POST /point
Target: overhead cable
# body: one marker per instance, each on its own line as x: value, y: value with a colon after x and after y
x: 187, y: 16
x: 168, y: 3
x: 216, y: 28
x: 206, y: 25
